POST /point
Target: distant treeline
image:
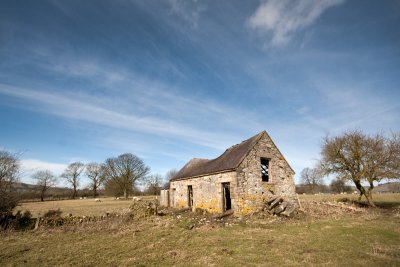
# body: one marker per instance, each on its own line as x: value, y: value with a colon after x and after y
x: 30, y: 192
x: 393, y: 187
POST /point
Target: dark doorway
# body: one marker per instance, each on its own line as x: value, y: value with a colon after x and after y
x: 190, y: 196
x: 226, y: 196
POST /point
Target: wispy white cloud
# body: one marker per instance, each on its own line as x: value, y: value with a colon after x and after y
x: 189, y: 10
x: 282, y: 18
x: 30, y: 166
x: 155, y: 109
x: 81, y: 108
x: 137, y: 105
x: 132, y: 93
x: 352, y: 105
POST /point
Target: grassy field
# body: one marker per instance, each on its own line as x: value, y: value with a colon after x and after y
x: 387, y: 200
x: 370, y: 237
x: 79, y: 207
x: 89, y: 207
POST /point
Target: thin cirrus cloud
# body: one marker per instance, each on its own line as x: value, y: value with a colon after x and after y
x: 128, y: 101
x: 80, y: 109
x: 282, y: 18
x: 30, y: 166
x: 189, y: 10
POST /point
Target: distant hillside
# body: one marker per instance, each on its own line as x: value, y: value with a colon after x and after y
x: 21, y: 187
x: 393, y: 187
x: 24, y: 187
x: 32, y: 192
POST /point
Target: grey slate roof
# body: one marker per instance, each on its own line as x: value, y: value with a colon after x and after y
x: 229, y: 160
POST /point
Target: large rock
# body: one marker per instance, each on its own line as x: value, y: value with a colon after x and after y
x: 275, y: 203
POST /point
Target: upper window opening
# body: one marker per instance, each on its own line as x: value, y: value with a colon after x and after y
x: 265, y: 169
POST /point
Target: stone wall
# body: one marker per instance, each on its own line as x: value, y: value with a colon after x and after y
x: 248, y: 191
x: 252, y: 191
x: 164, y: 198
x: 207, y: 192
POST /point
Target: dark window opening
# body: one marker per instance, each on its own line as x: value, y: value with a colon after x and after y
x: 265, y: 170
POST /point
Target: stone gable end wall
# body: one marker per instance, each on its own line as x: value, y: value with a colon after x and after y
x: 252, y: 191
x: 207, y: 192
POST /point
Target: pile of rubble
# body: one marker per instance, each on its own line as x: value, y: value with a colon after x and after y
x: 143, y: 208
x: 278, y: 206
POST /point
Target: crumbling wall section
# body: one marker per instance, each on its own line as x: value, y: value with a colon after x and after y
x: 207, y: 192
x: 164, y: 198
x: 252, y: 192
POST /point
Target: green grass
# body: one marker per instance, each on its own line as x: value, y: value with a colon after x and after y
x: 159, y: 241
x: 370, y: 238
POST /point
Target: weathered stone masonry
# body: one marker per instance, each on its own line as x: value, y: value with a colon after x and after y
x: 252, y: 192
x: 207, y: 191
x: 233, y: 180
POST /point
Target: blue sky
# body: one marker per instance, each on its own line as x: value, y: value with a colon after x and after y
x: 172, y: 80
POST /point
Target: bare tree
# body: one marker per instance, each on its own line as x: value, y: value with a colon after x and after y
x: 339, y: 186
x: 168, y: 176
x: 71, y: 175
x: 153, y: 184
x: 94, y: 171
x: 312, y: 178
x: 125, y: 170
x: 44, y: 179
x: 9, y: 171
x: 357, y: 157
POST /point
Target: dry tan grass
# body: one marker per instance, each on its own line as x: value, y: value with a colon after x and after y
x: 88, y: 207
x: 384, y: 198
x: 166, y: 241
x: 367, y: 239
x: 79, y: 207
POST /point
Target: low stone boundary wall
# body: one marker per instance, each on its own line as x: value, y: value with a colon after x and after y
x: 138, y: 209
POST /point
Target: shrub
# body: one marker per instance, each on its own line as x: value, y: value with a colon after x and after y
x: 52, y: 213
x: 24, y: 221
x: 19, y: 221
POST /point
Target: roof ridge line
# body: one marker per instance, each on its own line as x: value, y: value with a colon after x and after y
x: 259, y: 135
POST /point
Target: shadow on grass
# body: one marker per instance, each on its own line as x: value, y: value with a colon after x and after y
x: 388, y: 205
x: 379, y: 204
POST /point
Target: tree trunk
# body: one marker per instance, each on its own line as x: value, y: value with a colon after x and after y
x: 125, y: 194
x: 369, y: 198
x: 74, y: 194
x: 371, y: 186
x: 42, y: 194
x: 365, y: 193
x: 94, y: 191
x: 369, y: 192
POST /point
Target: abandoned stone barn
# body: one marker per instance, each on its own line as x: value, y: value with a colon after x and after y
x: 242, y: 179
